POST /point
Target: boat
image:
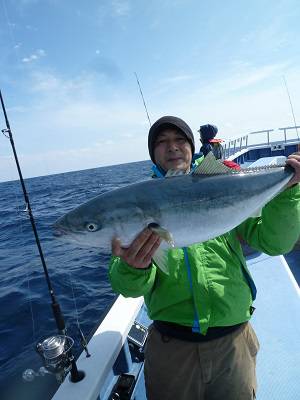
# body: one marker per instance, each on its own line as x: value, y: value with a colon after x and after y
x: 113, y: 367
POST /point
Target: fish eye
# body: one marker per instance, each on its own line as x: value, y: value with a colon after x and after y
x: 91, y: 226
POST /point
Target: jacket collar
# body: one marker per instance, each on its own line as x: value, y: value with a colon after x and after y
x: 158, y: 172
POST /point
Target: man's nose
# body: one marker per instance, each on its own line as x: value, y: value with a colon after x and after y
x: 172, y: 146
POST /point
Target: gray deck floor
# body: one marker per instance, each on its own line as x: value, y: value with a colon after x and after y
x: 277, y: 323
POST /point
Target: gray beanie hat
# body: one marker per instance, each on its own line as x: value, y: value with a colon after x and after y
x: 169, y: 122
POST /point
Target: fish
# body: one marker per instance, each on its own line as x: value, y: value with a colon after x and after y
x: 183, y: 209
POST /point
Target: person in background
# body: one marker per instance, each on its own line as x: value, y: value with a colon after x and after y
x: 201, y: 344
x: 207, y: 133
x: 210, y: 143
x: 217, y: 148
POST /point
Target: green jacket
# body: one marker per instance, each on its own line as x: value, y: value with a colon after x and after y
x: 220, y: 289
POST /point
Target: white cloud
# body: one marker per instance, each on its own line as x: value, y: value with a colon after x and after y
x: 177, y: 78
x: 96, y: 155
x: 250, y: 76
x: 44, y: 82
x: 250, y: 98
x: 31, y: 28
x: 70, y: 128
x: 120, y: 8
x: 35, y: 56
x: 73, y: 126
x: 115, y: 9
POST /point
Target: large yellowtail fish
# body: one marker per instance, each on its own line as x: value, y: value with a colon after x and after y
x: 182, y: 209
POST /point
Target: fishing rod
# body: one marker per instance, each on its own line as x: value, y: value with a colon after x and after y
x: 61, y: 344
x: 138, y: 82
x: 291, y: 104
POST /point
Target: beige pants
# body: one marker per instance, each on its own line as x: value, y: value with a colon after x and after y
x: 221, y: 369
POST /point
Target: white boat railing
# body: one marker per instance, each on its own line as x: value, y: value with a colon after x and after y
x: 265, y: 137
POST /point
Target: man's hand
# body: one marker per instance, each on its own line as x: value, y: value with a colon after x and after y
x: 294, y: 161
x: 141, y: 250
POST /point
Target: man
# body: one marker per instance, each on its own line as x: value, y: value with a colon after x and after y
x: 201, y: 345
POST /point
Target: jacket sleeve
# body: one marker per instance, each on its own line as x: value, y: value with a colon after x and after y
x: 130, y: 281
x: 278, y: 228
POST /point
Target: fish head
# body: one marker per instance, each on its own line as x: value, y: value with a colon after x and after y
x: 86, y: 226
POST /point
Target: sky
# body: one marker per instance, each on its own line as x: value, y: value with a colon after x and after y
x: 67, y: 75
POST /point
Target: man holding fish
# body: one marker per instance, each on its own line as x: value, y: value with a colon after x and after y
x: 201, y: 345
x: 177, y: 242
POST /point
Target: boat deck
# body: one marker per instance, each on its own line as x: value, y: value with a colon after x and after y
x: 277, y: 324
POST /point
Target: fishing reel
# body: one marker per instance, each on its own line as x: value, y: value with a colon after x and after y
x: 58, y: 360
x: 57, y: 355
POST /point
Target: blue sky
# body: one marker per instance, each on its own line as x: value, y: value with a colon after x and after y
x: 67, y: 74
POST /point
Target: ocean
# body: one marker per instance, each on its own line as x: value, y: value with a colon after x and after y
x: 79, y: 276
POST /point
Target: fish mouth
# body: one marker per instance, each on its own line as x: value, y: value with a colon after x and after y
x: 59, y: 231
x: 64, y: 235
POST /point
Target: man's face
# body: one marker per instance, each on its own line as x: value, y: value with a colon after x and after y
x: 172, y: 150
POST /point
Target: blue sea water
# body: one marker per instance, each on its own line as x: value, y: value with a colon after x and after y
x: 79, y: 276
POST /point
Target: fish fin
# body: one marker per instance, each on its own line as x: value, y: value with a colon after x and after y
x: 163, y: 233
x: 161, y: 260
x: 174, y: 172
x: 211, y: 166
